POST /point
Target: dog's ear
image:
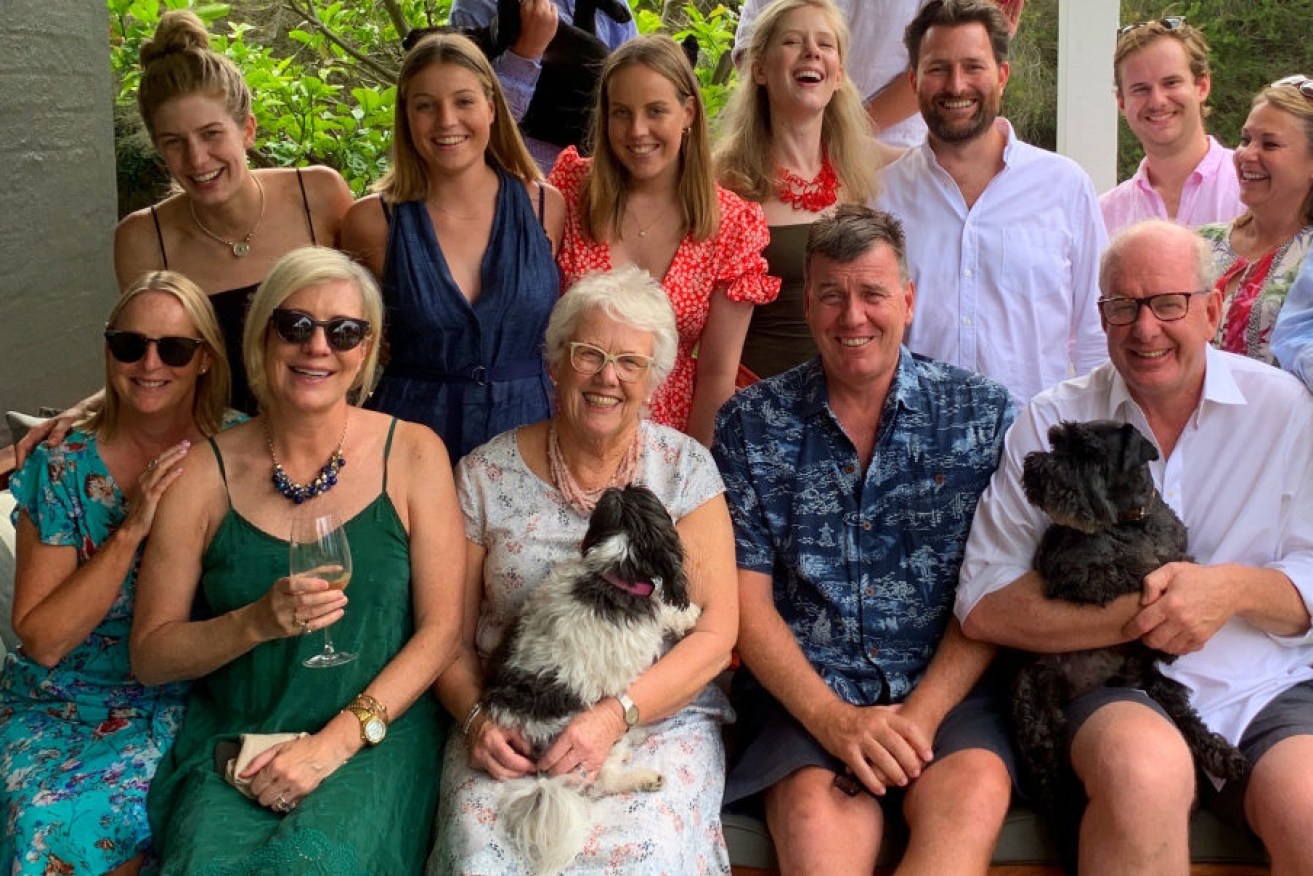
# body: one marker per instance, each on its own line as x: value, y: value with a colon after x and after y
x: 1136, y: 449
x: 655, y: 544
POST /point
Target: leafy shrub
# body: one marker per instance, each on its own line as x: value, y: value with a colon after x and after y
x: 323, y: 86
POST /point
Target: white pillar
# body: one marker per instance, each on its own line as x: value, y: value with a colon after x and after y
x: 1087, y: 111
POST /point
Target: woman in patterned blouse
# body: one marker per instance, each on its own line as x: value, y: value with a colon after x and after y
x: 648, y: 197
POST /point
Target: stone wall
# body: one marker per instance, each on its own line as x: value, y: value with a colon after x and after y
x: 57, y: 200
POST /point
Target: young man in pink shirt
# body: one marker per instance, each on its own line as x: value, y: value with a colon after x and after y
x: 1162, y: 84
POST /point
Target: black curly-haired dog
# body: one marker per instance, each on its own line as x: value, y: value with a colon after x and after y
x: 1110, y: 529
x: 584, y: 635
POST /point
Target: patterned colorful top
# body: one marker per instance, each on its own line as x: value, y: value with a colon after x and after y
x: 730, y: 260
x: 78, y: 742
x: 526, y: 527
x: 1249, y: 312
x: 864, y: 567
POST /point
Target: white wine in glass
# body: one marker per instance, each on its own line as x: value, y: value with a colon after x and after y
x: 319, y: 549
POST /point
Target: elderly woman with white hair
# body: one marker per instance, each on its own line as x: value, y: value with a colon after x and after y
x: 526, y: 496
x: 217, y: 605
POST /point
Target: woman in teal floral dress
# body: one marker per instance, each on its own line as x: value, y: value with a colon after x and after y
x: 79, y: 736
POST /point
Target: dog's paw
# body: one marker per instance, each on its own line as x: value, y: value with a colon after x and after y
x: 648, y: 780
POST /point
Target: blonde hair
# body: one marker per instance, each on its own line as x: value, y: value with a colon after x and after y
x: 178, y: 62
x: 604, y: 193
x: 1290, y: 99
x: 743, y: 155
x: 408, y: 178
x: 300, y: 269
x: 1191, y: 39
x: 210, y: 397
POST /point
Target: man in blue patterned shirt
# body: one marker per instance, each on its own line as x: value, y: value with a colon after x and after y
x: 852, y: 480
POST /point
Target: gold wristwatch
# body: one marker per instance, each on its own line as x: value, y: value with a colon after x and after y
x: 373, y: 718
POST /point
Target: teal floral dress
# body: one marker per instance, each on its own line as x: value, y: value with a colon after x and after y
x: 79, y: 742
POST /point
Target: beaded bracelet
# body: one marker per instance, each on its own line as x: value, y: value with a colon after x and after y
x: 475, y: 711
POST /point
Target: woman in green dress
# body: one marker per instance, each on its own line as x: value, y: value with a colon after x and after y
x: 216, y: 605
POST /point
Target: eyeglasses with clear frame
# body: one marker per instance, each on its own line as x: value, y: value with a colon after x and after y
x: 587, y: 359
x: 1171, y: 22
x: 1166, y: 307
x: 1300, y: 81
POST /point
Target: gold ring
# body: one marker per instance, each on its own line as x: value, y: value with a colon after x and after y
x: 305, y: 628
x: 152, y: 465
x: 281, y: 805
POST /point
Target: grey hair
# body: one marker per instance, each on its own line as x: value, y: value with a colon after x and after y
x: 628, y: 295
x: 850, y: 231
x: 1110, y: 261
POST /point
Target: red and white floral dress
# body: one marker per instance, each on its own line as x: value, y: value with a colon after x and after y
x: 730, y: 259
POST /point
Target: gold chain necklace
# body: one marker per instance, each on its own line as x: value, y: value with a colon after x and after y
x: 643, y: 229
x: 241, y: 247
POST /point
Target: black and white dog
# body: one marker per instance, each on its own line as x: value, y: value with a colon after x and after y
x: 585, y: 634
x: 1110, y: 529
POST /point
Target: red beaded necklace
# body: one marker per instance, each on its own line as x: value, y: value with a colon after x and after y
x: 811, y: 195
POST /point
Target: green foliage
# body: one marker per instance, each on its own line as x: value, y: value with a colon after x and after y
x: 322, y: 89
x: 322, y: 77
x: 715, y: 35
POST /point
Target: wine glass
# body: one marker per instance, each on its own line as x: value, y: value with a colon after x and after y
x: 319, y: 549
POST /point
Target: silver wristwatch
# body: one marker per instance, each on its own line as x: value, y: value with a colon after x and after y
x: 630, y: 709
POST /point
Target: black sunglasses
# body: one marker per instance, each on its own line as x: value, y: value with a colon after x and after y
x: 129, y: 347
x: 1171, y: 22
x: 343, y: 332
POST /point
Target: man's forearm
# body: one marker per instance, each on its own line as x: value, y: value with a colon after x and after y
x: 1020, y: 616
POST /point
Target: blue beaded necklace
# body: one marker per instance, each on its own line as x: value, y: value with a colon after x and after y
x: 323, y: 482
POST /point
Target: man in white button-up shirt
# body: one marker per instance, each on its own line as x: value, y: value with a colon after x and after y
x: 1003, y: 238
x: 1237, y: 467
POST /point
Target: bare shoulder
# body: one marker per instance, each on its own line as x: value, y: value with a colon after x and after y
x: 198, y: 499
x: 554, y: 211
x: 420, y: 447
x: 137, y: 244
x: 364, y: 233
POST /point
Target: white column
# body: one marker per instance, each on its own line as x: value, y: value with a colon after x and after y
x: 1087, y: 111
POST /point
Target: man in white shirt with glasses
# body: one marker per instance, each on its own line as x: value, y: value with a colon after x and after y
x: 1237, y: 466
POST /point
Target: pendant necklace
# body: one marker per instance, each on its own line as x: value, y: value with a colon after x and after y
x: 811, y: 195
x: 323, y: 482
x: 242, y: 246
x: 643, y: 229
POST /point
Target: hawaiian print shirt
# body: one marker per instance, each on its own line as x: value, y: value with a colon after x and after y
x: 864, y: 565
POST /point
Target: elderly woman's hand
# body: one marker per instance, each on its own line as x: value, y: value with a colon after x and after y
x: 298, y: 606
x: 586, y: 742
x: 499, y: 751
x: 283, y: 775
x: 157, y: 477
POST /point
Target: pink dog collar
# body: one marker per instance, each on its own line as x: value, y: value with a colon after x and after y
x: 638, y: 588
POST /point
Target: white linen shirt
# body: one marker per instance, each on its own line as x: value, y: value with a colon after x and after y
x: 1241, y: 479
x: 1211, y: 194
x: 876, y: 55
x: 1008, y: 288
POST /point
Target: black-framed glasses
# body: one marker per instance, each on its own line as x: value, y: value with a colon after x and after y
x: 128, y: 347
x: 1170, y: 22
x: 296, y: 327
x: 1166, y: 307
x: 1300, y: 81
x: 587, y: 359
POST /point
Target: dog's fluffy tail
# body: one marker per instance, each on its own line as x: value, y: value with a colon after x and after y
x: 546, y: 821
